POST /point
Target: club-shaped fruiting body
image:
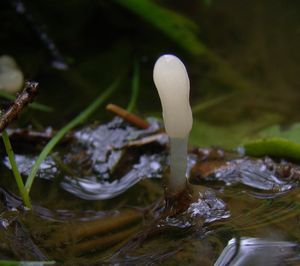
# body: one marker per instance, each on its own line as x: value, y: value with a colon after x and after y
x: 173, y: 86
x: 11, y: 78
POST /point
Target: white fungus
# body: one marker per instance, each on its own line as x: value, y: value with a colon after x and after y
x: 11, y: 77
x: 173, y: 86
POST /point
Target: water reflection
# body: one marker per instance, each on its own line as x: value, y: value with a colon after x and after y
x: 260, y: 174
x: 89, y: 188
x: 258, y: 251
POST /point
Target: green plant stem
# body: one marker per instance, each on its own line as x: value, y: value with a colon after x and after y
x: 73, y: 123
x: 35, y: 105
x: 14, y: 167
x: 210, y: 103
x: 135, y: 85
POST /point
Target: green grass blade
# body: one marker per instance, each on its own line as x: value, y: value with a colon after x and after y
x: 177, y: 27
x: 210, y: 103
x: 73, y: 123
x: 36, y: 106
x: 14, y: 167
x: 41, y: 107
x: 135, y: 86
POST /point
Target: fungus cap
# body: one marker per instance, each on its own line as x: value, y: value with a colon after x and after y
x: 173, y: 86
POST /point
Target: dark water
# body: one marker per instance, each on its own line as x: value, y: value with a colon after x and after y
x: 100, y: 200
x: 108, y: 207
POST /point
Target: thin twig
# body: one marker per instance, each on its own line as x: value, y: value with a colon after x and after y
x: 29, y: 136
x: 129, y: 117
x: 24, y: 98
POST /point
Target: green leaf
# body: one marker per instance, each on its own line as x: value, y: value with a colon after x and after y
x: 292, y: 133
x: 276, y: 142
x: 275, y: 147
x: 204, y: 134
x: 177, y: 27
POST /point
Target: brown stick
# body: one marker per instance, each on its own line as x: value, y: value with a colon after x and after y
x: 24, y: 98
x: 105, y: 225
x: 103, y: 242
x: 97, y: 227
x: 129, y: 117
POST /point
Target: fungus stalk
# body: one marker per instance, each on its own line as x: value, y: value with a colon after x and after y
x: 173, y: 86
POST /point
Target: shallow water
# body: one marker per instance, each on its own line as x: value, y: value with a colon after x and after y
x: 99, y: 197
x: 239, y: 207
